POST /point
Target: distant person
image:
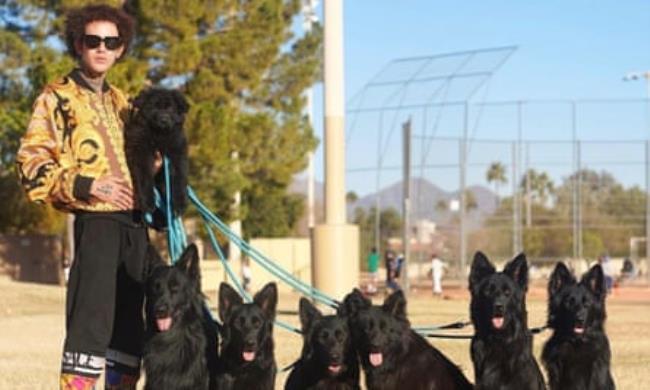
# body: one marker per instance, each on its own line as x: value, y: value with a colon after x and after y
x: 373, y: 269
x: 628, y: 271
x: 399, y: 262
x: 437, y: 269
x: 391, y: 268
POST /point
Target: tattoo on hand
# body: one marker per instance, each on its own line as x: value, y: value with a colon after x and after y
x: 106, y: 189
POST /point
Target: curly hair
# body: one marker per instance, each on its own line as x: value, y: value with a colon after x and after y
x: 78, y: 18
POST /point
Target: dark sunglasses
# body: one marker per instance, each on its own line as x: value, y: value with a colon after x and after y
x: 110, y: 43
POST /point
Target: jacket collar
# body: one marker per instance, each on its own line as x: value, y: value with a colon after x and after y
x: 75, y: 75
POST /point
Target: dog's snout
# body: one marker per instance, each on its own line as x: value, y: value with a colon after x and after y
x: 161, y: 310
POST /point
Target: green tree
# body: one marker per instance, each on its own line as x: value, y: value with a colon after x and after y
x: 351, y: 197
x: 238, y: 63
x: 470, y: 201
x: 496, y: 174
x: 541, y: 186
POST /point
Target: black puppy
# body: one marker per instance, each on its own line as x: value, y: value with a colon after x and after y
x: 502, y: 346
x: 181, y: 344
x: 392, y: 355
x: 247, y: 355
x: 328, y: 360
x: 577, y: 356
x: 156, y: 126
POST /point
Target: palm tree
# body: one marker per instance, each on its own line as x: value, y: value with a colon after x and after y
x: 470, y: 201
x: 541, y: 185
x: 496, y: 174
x: 442, y: 205
x: 351, y: 197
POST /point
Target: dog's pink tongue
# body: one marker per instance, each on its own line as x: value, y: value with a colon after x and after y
x: 164, y: 323
x: 579, y: 330
x: 376, y: 358
x: 497, y: 322
x: 248, y: 356
x: 334, y: 368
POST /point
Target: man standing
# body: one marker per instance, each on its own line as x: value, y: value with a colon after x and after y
x: 373, y: 269
x: 437, y: 268
x: 72, y: 156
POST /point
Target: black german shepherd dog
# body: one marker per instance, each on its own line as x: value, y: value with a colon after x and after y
x: 502, y: 345
x: 247, y: 355
x: 577, y: 356
x: 181, y: 346
x: 328, y: 360
x: 392, y: 355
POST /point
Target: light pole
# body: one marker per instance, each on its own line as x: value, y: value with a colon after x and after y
x: 335, y: 244
x: 631, y: 77
x: 309, y: 18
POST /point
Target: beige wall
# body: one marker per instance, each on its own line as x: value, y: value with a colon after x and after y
x: 32, y: 258
x: 291, y: 254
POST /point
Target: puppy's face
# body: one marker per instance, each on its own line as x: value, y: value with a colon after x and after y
x: 163, y: 110
x: 327, y: 338
x: 498, y: 298
x: 171, y: 290
x: 378, y: 331
x: 248, y: 327
x: 576, y: 308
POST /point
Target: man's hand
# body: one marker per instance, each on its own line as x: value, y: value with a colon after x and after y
x: 112, y: 190
x: 157, y: 163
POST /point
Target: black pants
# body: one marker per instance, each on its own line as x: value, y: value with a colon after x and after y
x: 104, y: 317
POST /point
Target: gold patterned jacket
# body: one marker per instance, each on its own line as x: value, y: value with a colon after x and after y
x: 75, y: 136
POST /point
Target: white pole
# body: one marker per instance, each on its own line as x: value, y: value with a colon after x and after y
x: 335, y: 261
x: 309, y: 17
x: 234, y: 253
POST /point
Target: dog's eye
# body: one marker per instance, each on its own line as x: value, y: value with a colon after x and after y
x: 506, y: 291
x: 173, y: 287
x: 324, y: 334
x: 256, y: 322
x: 339, y: 335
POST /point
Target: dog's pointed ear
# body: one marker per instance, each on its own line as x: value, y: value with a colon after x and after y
x: 395, y: 305
x: 228, y: 300
x: 594, y: 280
x: 481, y: 268
x: 267, y: 299
x: 181, y: 102
x: 153, y: 260
x: 353, y: 303
x: 517, y: 269
x: 138, y: 101
x: 189, y: 263
x: 560, y: 278
x: 308, y: 314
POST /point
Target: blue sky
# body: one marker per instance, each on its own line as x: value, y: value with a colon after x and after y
x: 566, y: 50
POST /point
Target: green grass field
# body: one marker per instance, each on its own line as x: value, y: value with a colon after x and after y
x: 32, y: 330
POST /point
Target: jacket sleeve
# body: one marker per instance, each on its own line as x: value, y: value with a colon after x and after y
x: 41, y: 173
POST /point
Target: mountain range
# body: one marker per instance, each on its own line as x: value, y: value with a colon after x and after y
x: 425, y: 196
